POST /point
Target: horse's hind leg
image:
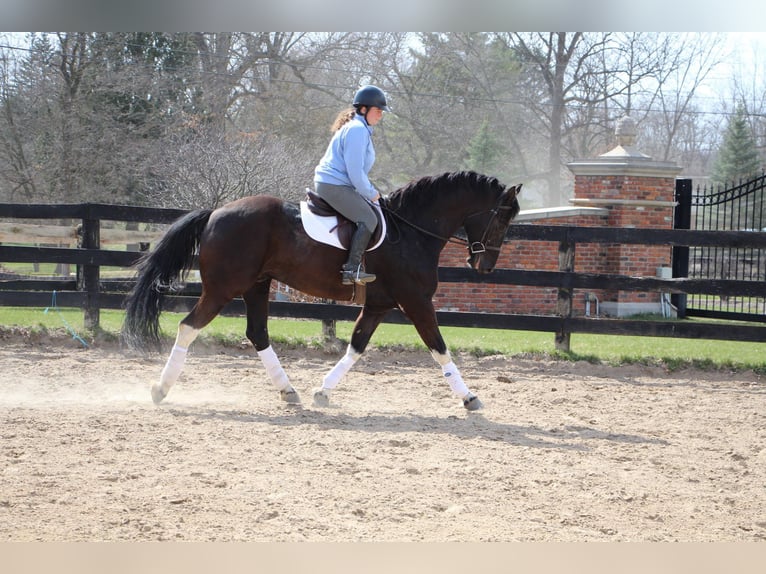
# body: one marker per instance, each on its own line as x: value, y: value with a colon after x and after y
x: 257, y: 303
x: 203, y: 312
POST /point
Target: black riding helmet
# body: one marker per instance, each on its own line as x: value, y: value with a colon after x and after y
x: 371, y: 96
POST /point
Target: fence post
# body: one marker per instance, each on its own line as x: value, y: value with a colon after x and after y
x: 328, y: 326
x: 682, y: 219
x: 91, y: 274
x: 565, y: 294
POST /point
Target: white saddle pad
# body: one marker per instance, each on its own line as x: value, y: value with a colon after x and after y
x: 322, y: 229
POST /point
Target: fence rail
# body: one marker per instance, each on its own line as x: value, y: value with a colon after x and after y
x: 92, y: 293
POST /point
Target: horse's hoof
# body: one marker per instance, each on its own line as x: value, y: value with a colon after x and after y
x: 290, y: 396
x: 321, y: 398
x: 158, y: 394
x: 472, y: 403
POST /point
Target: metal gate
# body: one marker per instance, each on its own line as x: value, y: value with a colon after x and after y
x: 737, y: 208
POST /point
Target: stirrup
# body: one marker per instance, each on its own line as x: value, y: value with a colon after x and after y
x: 360, y: 277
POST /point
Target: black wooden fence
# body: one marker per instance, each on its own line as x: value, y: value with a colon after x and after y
x: 91, y: 293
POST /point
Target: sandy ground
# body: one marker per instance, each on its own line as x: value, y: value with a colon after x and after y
x: 562, y: 451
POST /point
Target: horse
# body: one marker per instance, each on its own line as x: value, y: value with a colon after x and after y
x: 243, y: 246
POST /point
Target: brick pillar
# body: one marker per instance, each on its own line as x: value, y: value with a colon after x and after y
x: 638, y: 192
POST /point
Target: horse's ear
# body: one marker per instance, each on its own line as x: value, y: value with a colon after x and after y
x: 513, y: 192
x: 512, y: 201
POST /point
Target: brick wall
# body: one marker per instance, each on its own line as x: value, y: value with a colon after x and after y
x: 531, y: 255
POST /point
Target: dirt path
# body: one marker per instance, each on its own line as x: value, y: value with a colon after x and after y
x: 562, y: 451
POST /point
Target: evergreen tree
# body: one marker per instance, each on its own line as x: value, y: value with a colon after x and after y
x: 738, y: 158
x: 484, y: 151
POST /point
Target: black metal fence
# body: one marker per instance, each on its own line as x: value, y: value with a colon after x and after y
x: 736, y: 208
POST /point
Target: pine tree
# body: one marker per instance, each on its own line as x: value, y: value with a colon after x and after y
x: 483, y: 150
x: 738, y: 158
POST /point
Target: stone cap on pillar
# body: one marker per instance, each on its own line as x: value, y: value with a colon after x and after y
x: 625, y: 131
x: 624, y: 159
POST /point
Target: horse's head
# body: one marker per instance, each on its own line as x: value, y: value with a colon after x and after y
x: 486, y: 230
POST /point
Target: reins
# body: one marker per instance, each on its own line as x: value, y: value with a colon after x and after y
x: 475, y: 247
x: 450, y: 239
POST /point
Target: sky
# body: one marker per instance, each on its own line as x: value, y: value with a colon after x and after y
x: 751, y: 49
x: 746, y: 59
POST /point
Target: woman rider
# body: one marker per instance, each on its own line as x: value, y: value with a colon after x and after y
x: 341, y: 178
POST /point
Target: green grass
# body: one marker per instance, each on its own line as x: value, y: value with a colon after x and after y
x: 50, y: 270
x: 673, y: 353
x: 44, y: 269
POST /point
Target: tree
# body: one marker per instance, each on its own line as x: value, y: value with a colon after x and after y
x: 555, y: 58
x: 683, y: 64
x: 123, y: 117
x: 101, y: 110
x: 213, y: 168
x: 748, y: 89
x: 14, y: 165
x: 579, y: 84
x: 738, y: 157
x: 445, y: 86
x: 483, y: 150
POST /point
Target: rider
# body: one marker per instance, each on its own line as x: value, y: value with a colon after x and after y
x: 341, y: 178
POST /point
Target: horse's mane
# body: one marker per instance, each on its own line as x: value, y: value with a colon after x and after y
x: 424, y: 191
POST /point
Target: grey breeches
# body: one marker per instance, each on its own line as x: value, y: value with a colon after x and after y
x: 348, y: 202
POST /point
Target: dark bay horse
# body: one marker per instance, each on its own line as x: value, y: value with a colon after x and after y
x: 247, y: 243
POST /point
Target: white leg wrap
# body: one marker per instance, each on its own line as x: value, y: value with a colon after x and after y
x: 340, y: 369
x: 451, y: 373
x: 175, y: 362
x: 454, y: 379
x: 173, y: 367
x: 274, y: 368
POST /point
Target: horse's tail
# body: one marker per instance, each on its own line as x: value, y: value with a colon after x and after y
x: 159, y: 271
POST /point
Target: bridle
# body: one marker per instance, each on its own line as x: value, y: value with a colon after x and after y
x: 481, y: 245
x: 474, y: 247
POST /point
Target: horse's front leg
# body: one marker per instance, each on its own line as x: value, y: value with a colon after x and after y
x: 364, y: 327
x: 423, y: 316
x: 257, y: 304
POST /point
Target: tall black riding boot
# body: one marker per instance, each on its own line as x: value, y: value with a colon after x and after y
x: 352, y: 271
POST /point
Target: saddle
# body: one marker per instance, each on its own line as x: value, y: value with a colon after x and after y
x: 344, y: 228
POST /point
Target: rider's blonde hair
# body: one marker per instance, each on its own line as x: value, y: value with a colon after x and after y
x: 345, y: 116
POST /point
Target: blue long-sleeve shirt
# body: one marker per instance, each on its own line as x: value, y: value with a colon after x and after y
x: 349, y: 158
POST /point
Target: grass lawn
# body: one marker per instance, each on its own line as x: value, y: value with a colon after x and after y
x: 674, y: 353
